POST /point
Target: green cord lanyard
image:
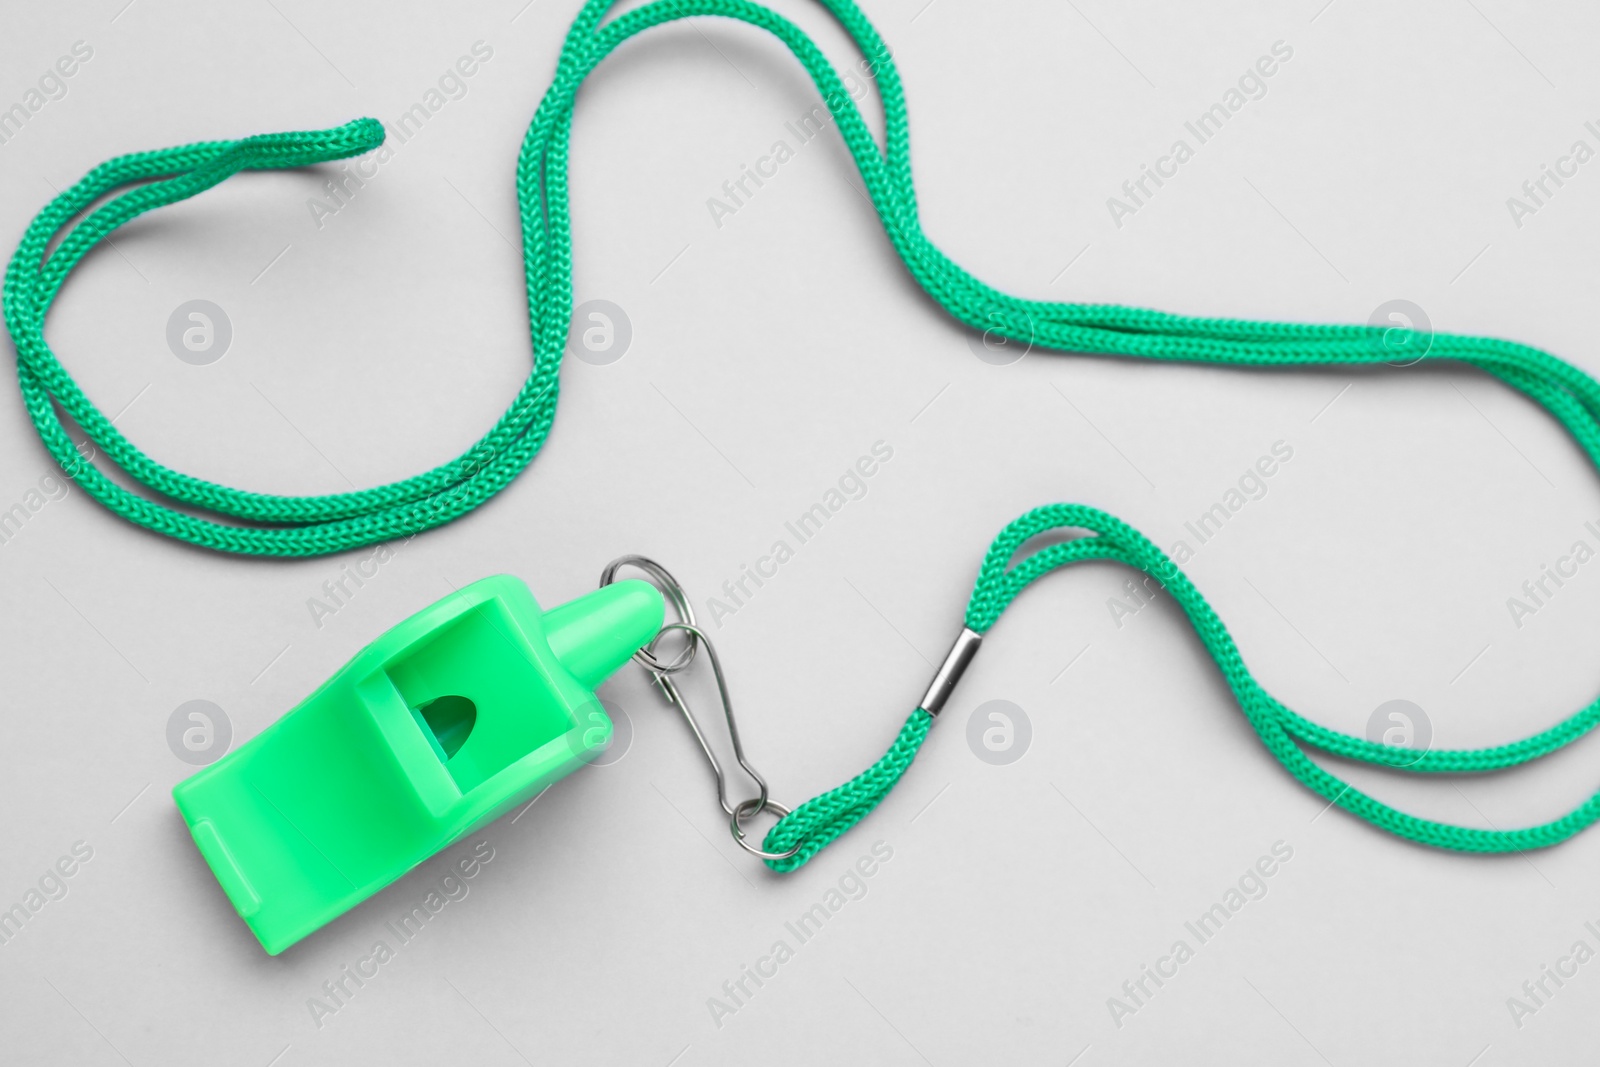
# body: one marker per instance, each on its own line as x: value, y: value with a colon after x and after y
x: 313, y: 525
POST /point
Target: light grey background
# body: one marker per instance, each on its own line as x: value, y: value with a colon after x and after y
x: 767, y: 354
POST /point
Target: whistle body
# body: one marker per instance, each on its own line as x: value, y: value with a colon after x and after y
x: 452, y: 718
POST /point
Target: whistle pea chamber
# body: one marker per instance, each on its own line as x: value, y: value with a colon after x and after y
x: 452, y: 718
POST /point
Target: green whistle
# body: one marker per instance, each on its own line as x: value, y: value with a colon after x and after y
x: 452, y: 718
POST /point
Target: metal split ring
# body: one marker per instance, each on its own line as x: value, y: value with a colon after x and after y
x: 663, y: 580
x: 754, y: 806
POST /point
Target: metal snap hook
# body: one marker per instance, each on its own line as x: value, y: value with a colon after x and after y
x: 662, y: 672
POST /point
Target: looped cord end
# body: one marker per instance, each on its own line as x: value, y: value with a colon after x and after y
x: 819, y: 821
x: 306, y: 147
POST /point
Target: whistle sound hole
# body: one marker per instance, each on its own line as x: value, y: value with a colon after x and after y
x: 450, y: 719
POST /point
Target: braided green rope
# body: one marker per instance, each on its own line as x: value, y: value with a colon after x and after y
x: 199, y: 511
x: 818, y: 822
x: 815, y: 824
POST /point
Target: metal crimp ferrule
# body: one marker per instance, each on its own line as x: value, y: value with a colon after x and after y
x: 950, y: 671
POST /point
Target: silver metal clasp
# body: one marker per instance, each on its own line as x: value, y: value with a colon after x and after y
x: 663, y: 670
